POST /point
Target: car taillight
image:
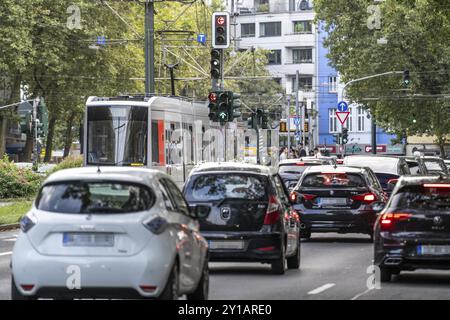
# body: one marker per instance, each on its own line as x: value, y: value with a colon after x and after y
x: 437, y: 185
x: 293, y: 196
x: 26, y: 224
x: 366, y: 198
x: 273, y: 211
x: 388, y: 220
x: 300, y: 164
x: 156, y: 225
x: 309, y: 197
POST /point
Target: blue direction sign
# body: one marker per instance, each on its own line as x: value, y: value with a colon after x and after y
x: 342, y: 106
x: 201, y: 38
x: 297, y: 121
x: 101, y: 40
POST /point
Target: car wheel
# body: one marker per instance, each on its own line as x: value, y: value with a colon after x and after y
x: 15, y: 293
x: 279, y: 265
x: 202, y: 290
x: 385, y: 274
x: 294, y: 261
x: 171, y: 291
x: 305, y: 234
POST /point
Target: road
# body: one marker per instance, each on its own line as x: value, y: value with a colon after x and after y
x: 333, y: 267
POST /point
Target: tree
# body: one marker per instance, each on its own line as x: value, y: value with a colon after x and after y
x: 414, y: 42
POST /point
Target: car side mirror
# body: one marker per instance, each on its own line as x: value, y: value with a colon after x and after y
x: 201, y: 211
x: 378, y: 206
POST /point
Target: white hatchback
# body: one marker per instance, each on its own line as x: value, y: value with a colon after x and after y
x: 110, y: 233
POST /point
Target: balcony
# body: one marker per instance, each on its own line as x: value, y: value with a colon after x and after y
x: 276, y: 7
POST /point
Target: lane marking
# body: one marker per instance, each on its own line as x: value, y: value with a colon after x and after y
x: 359, y: 295
x: 5, y: 253
x: 10, y: 239
x: 322, y: 288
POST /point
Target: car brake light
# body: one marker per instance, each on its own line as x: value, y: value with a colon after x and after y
x: 309, y: 197
x: 388, y: 219
x: 273, y: 211
x: 300, y: 164
x: 366, y: 198
x: 27, y: 287
x: 156, y: 225
x: 437, y: 185
x: 147, y: 288
x: 272, y: 248
x: 293, y: 196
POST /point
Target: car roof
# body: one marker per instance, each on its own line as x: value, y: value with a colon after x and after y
x: 233, y: 167
x: 304, y: 159
x: 416, y: 180
x: 123, y: 174
x: 337, y: 169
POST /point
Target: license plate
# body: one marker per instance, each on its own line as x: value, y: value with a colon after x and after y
x: 88, y: 239
x: 433, y: 250
x: 233, y: 245
x: 332, y: 201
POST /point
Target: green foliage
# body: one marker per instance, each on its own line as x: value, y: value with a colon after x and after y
x: 68, y: 163
x: 417, y: 35
x: 13, y: 212
x: 17, y: 182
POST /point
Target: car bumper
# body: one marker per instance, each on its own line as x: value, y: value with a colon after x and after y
x: 85, y: 276
x: 257, y: 247
x: 404, y: 253
x: 361, y: 222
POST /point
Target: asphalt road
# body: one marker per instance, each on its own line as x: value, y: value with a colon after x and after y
x: 333, y: 267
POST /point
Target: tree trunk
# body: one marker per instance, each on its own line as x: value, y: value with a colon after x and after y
x: 69, y: 135
x: 28, y: 150
x: 49, y: 144
x: 3, y: 125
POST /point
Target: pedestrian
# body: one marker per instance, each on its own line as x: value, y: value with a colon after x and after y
x: 317, y: 152
x: 283, y: 154
x: 302, y: 152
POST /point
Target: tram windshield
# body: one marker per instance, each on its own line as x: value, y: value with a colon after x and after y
x: 117, y: 135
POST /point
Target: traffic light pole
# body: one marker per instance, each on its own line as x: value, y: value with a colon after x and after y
x: 35, y: 133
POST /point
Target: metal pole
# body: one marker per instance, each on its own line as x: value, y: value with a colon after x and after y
x: 35, y: 133
x: 149, y: 47
x: 374, y: 136
x: 288, y: 120
x: 297, y: 102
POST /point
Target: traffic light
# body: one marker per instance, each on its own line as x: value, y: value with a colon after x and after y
x: 216, y: 64
x: 42, y: 113
x: 212, y: 97
x: 344, y: 135
x: 221, y: 30
x: 406, y: 78
x: 306, y: 127
x: 252, y: 124
x: 283, y: 126
x: 235, y: 104
x: 222, y: 106
x: 265, y: 119
x: 337, y: 138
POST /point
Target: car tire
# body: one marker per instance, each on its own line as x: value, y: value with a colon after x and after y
x: 171, y: 291
x: 279, y: 266
x: 202, y: 290
x: 294, y: 261
x: 16, y: 294
x: 385, y: 274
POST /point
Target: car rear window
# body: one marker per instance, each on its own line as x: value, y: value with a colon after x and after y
x: 422, y: 198
x: 296, y: 168
x: 336, y: 179
x: 433, y: 165
x: 213, y: 187
x: 94, y: 197
x: 377, y: 164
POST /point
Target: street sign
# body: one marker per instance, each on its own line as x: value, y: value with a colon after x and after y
x: 342, y: 106
x: 101, y: 40
x: 297, y: 121
x: 201, y: 38
x: 342, y: 116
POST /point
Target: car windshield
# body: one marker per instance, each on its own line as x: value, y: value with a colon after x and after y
x: 434, y: 165
x: 94, y: 197
x: 336, y: 179
x: 214, y: 187
x: 422, y: 198
x: 377, y: 164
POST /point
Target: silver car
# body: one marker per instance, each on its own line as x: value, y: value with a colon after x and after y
x: 110, y: 233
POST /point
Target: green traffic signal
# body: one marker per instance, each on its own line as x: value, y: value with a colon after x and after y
x: 344, y: 135
x: 406, y: 78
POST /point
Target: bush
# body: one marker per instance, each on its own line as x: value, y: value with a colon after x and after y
x: 17, y: 182
x: 68, y: 163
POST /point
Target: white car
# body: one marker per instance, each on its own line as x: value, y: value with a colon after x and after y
x: 110, y: 233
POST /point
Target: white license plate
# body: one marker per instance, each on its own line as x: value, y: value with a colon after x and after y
x: 88, y: 239
x: 233, y: 245
x: 332, y: 201
x: 433, y: 250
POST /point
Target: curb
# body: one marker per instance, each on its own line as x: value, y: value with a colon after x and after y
x: 7, y: 227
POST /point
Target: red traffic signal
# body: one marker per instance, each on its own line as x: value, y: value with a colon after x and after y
x: 221, y: 20
x: 212, y: 97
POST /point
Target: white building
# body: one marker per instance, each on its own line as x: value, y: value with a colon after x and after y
x: 286, y: 28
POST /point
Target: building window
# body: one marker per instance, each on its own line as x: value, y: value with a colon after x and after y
x: 333, y: 120
x: 274, y: 57
x: 349, y: 122
x: 247, y: 30
x: 302, y: 55
x: 332, y: 84
x: 299, y: 5
x: 270, y: 29
x: 302, y: 27
x: 305, y: 84
x: 361, y: 119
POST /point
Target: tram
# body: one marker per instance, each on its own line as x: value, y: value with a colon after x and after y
x: 165, y: 133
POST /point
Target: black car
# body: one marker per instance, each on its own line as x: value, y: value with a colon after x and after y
x: 387, y: 169
x: 251, y: 217
x: 413, y: 231
x: 291, y: 170
x: 338, y: 199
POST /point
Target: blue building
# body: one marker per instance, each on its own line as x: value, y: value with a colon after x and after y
x: 359, y: 121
